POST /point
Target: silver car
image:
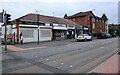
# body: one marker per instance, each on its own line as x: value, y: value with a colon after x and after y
x: 84, y: 37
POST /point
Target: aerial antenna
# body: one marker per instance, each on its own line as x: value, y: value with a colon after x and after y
x: 53, y: 14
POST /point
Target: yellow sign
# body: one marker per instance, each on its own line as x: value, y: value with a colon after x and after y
x: 6, y: 29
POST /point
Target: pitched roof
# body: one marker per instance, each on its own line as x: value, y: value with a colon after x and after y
x: 104, y: 17
x: 98, y: 17
x: 45, y: 19
x: 80, y: 14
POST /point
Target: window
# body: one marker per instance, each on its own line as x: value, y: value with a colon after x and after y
x: 93, y: 25
x: 97, y: 20
x: 93, y: 20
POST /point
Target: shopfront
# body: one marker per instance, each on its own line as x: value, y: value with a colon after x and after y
x: 79, y: 30
x: 85, y: 30
x: 71, y: 32
x: 59, y: 32
x: 30, y: 33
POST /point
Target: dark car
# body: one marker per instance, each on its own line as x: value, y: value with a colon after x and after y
x: 108, y: 35
x: 101, y: 35
x: 113, y: 34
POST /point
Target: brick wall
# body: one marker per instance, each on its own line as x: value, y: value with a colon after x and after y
x: 94, y: 27
x: 80, y: 20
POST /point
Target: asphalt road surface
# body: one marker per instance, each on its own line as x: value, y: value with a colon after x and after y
x: 74, y: 57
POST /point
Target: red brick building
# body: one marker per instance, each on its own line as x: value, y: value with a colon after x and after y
x: 96, y: 24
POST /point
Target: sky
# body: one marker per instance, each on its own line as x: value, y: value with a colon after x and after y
x: 58, y: 8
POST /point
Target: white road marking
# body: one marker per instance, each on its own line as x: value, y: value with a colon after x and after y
x: 101, y: 47
x: 62, y: 63
x: 71, y: 66
x: 47, y: 59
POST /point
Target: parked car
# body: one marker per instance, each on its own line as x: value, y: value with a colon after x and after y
x: 84, y: 37
x: 108, y: 35
x: 101, y: 35
x: 113, y: 34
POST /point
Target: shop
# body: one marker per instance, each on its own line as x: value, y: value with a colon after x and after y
x: 30, y: 33
x: 50, y: 28
x: 59, y: 31
x: 71, y: 32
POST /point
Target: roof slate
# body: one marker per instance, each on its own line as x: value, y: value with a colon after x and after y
x: 80, y: 14
x: 45, y: 19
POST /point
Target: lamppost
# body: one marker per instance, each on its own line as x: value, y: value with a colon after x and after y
x: 37, y: 13
x: 5, y: 23
x: 38, y: 25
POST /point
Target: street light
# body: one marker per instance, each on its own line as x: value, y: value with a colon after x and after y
x: 37, y: 13
x: 38, y: 25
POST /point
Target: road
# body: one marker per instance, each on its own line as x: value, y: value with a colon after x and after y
x: 73, y: 57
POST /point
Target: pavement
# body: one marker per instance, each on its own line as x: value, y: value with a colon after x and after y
x: 35, y: 45
x: 109, y: 66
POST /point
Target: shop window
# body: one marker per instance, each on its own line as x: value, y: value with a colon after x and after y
x: 45, y: 33
x: 28, y: 33
x: 62, y: 34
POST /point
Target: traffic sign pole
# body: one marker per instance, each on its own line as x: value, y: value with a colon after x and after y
x: 5, y: 17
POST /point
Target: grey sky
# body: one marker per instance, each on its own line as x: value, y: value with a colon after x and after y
x: 59, y: 8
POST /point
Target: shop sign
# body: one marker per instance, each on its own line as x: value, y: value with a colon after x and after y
x: 80, y: 27
x: 60, y: 28
x: 62, y: 25
x: 47, y: 24
x: 59, y: 25
x: 85, y: 28
x: 55, y: 24
x: 71, y: 27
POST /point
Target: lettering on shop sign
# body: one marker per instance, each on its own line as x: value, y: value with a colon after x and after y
x: 59, y: 25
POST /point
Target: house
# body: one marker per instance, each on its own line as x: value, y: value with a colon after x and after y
x: 88, y: 19
x: 105, y: 23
